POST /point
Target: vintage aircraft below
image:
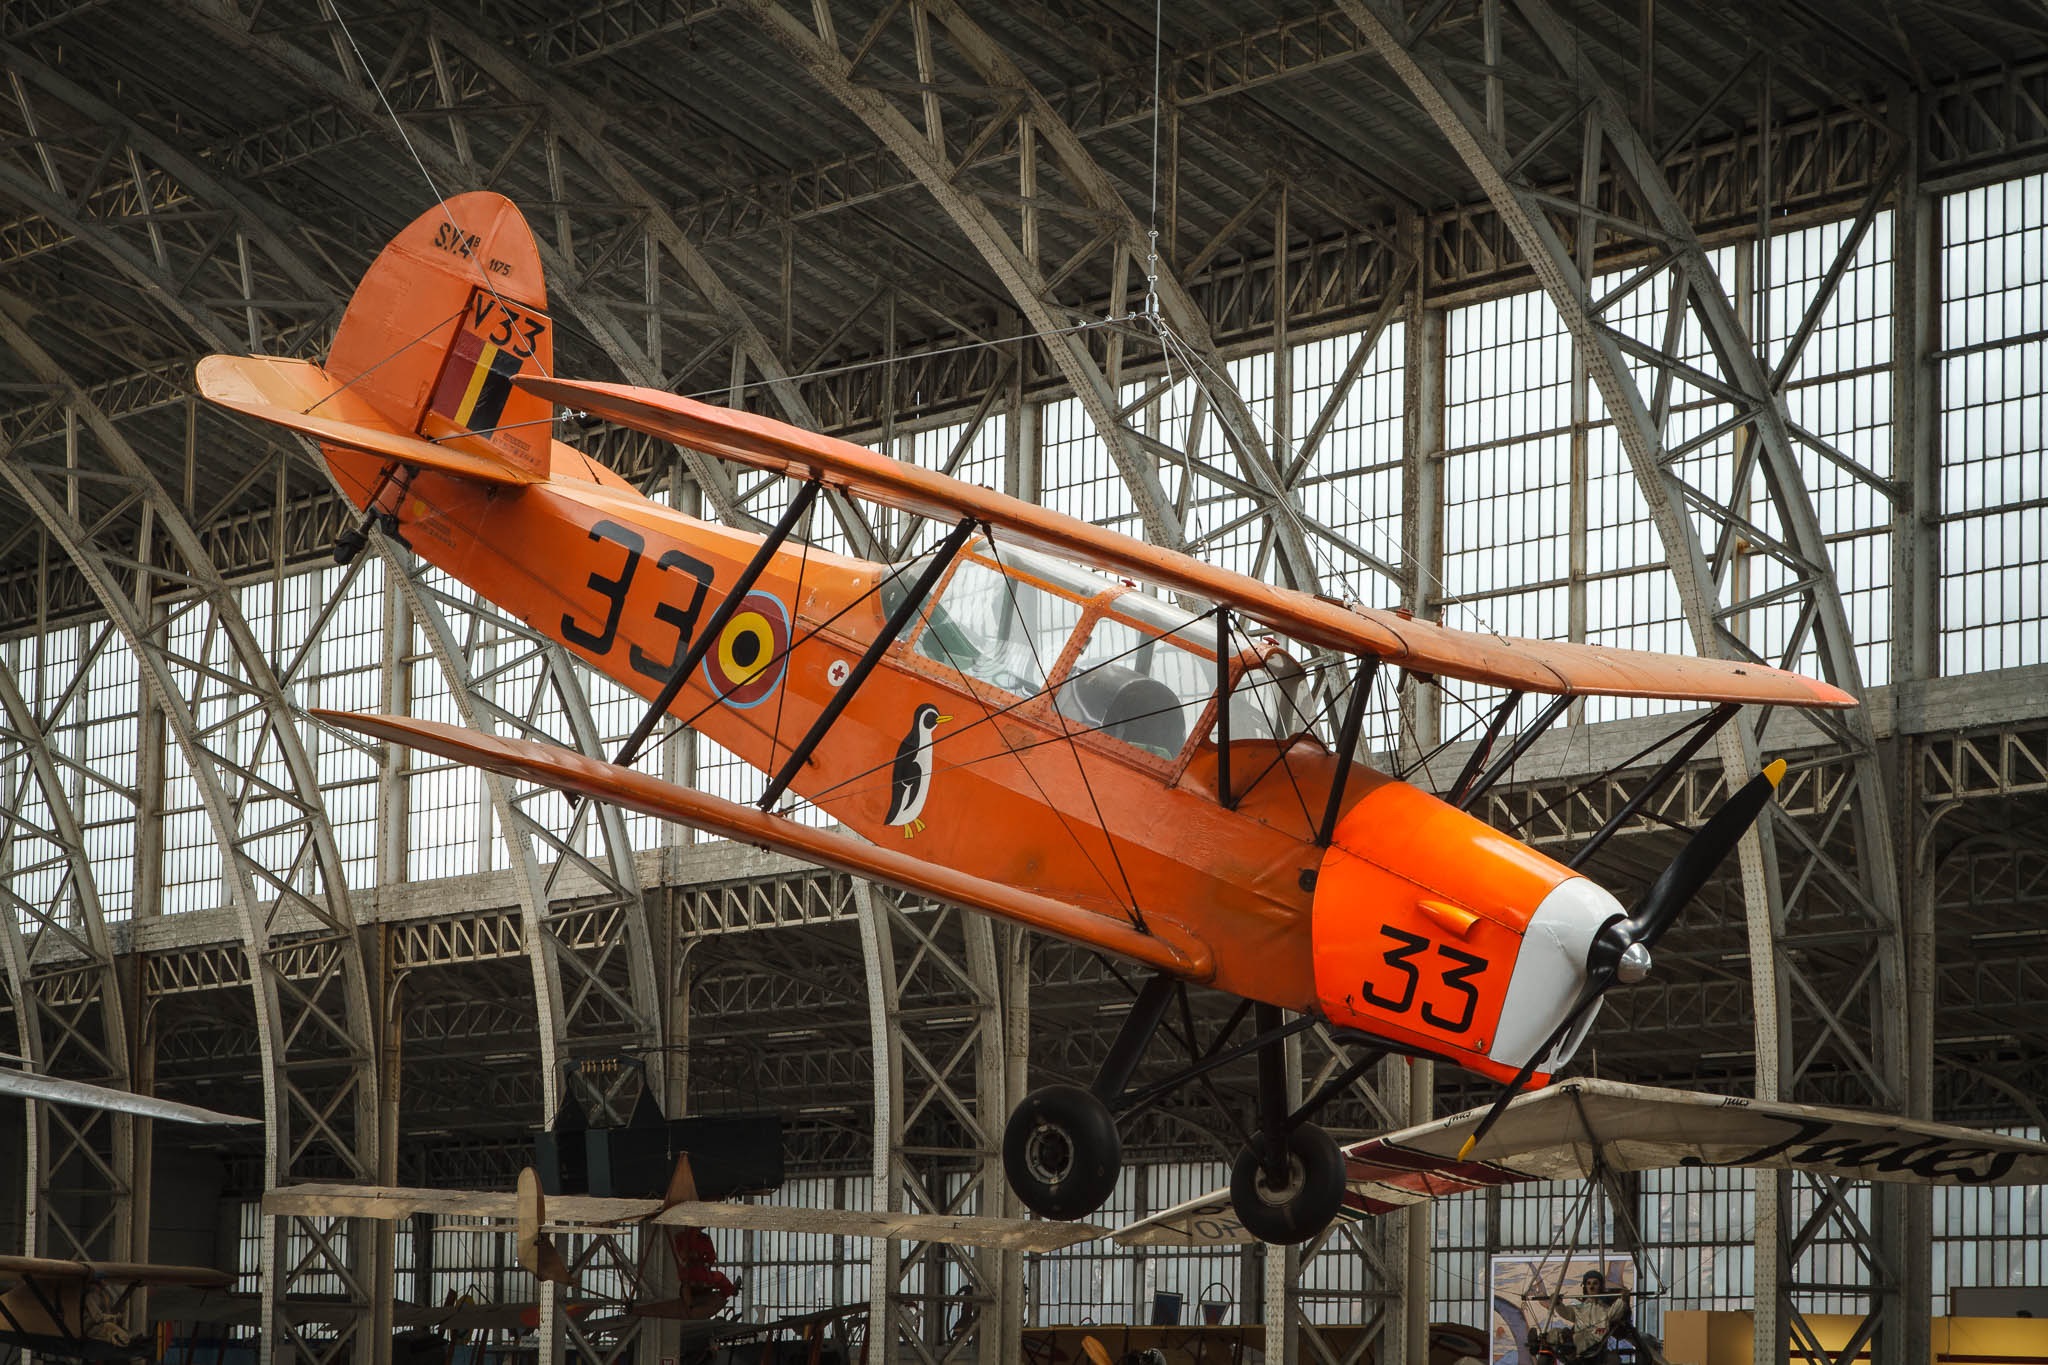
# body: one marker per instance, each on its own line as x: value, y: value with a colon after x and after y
x: 78, y: 1310
x: 539, y: 1219
x: 1593, y: 1130
x: 1011, y: 730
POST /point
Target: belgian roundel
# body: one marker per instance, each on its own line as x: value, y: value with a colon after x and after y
x: 748, y: 660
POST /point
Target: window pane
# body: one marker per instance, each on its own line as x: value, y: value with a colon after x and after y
x: 1002, y: 630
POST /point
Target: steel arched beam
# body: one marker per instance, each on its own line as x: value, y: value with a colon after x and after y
x: 1013, y: 260
x: 1870, y: 881
x: 574, y: 123
x: 1260, y: 461
x: 570, y: 934
x: 286, y: 879
x: 43, y: 950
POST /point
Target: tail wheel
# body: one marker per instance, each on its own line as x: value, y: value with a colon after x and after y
x: 1301, y: 1205
x: 1061, y: 1152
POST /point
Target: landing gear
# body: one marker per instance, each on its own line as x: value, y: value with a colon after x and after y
x: 1294, y: 1197
x: 1061, y: 1152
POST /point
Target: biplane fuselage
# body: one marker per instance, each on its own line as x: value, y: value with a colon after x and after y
x: 1020, y: 792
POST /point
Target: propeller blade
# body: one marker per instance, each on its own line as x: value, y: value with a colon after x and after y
x: 1597, y: 982
x: 1688, y: 872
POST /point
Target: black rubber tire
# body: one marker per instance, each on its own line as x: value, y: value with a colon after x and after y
x: 1061, y: 1152
x: 1314, y: 1191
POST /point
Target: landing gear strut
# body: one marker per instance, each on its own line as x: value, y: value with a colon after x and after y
x: 1288, y: 1180
x: 352, y: 541
x: 1062, y: 1154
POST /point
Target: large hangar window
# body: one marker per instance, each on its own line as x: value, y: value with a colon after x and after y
x: 1838, y: 395
x: 90, y: 724
x: 1346, y: 467
x: 1994, y: 449
x: 335, y: 663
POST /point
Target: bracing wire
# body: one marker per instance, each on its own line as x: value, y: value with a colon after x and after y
x: 1152, y: 219
x: 440, y: 199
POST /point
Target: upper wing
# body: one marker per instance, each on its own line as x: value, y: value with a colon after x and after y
x: 1495, y: 660
x: 1568, y: 1130
x: 585, y: 1212
x: 1164, y: 944
x: 29, y: 1085
x: 126, y: 1272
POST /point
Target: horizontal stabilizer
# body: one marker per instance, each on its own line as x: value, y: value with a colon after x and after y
x: 569, y: 1213
x: 30, y: 1086
x: 300, y: 396
x: 1422, y: 646
x: 1166, y: 946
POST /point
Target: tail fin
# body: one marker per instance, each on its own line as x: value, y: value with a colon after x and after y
x: 451, y: 311
x: 536, y: 1249
x: 421, y: 369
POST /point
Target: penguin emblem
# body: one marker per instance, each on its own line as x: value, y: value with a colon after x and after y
x: 910, y: 781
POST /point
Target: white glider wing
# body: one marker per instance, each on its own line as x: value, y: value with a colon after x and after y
x: 1573, y: 1129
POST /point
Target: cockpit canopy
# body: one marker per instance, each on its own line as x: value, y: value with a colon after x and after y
x: 1115, y: 659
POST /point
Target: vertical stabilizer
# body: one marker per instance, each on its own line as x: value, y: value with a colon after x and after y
x: 449, y: 314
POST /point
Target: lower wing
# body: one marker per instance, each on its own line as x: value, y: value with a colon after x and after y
x: 120, y: 1272
x: 1162, y: 944
x: 1575, y: 1129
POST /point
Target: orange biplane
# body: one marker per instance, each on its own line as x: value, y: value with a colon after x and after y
x: 1006, y: 727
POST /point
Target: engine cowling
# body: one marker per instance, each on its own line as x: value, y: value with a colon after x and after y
x: 1445, y: 936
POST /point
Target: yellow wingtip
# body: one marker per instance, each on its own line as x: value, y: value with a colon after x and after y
x: 1470, y: 1143
x: 1775, y: 771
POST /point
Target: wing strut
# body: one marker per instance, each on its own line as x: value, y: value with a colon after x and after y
x: 1463, y: 786
x: 1530, y: 734
x: 1223, y: 657
x: 721, y: 618
x: 893, y: 627
x: 1703, y: 730
x: 1347, y: 746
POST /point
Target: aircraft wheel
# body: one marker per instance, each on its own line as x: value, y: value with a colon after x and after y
x: 1305, y: 1204
x: 1061, y: 1152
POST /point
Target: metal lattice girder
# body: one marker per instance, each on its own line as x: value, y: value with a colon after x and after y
x: 578, y: 126
x: 1843, y: 861
x: 1380, y: 1244
x: 941, y: 1098
x: 68, y: 1001
x: 582, y: 914
x: 165, y: 224
x: 1013, y: 255
x: 234, y: 729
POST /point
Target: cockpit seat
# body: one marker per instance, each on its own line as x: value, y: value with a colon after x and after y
x: 1127, y: 705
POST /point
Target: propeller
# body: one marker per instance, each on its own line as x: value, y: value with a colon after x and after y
x: 1621, y: 950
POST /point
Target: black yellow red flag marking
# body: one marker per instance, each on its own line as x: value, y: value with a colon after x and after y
x: 475, y: 383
